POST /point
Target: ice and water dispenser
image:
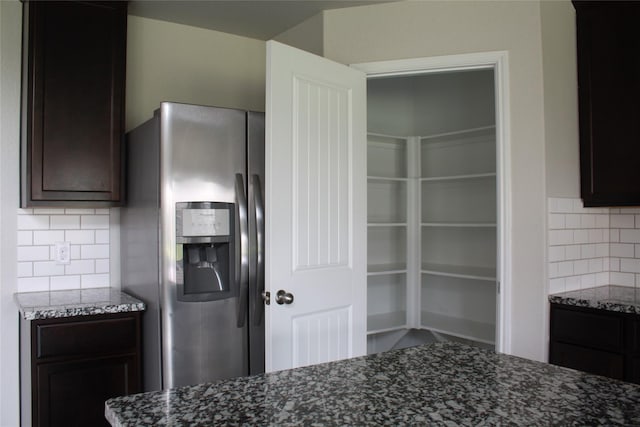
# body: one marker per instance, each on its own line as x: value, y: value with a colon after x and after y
x: 205, y: 238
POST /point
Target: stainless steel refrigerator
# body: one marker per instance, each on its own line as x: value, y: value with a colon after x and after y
x: 192, y: 242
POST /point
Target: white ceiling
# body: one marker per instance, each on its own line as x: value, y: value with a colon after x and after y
x: 258, y: 19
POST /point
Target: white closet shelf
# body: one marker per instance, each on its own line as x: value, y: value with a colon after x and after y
x: 386, y: 224
x: 459, y: 177
x: 459, y: 224
x: 384, y: 135
x: 385, y: 322
x: 459, y: 327
x: 386, y: 179
x: 382, y: 269
x: 457, y: 133
x: 460, y: 271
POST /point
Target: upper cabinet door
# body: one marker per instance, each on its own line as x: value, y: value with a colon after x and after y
x: 609, y: 102
x: 316, y: 209
x: 73, y: 102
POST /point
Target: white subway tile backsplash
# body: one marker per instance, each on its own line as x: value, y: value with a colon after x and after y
x: 33, y: 253
x: 579, y: 267
x: 65, y: 222
x: 602, y: 221
x: 94, y: 251
x: 562, y: 205
x: 630, y: 235
x: 80, y: 267
x: 587, y: 281
x: 614, y: 264
x: 102, y: 236
x: 94, y: 280
x: 557, y: 253
x: 95, y: 221
x: 596, y: 236
x: 48, y: 237
x: 621, y: 250
x: 47, y: 268
x: 59, y: 283
x: 603, y: 278
x: 592, y: 246
x: 596, y: 265
x: 572, y: 252
x: 556, y: 285
x: 580, y: 236
x: 33, y: 284
x: 102, y: 266
x: 614, y: 235
x: 33, y: 222
x: 602, y: 250
x: 566, y: 268
x: 88, y: 231
x: 79, y: 211
x: 572, y: 221
x: 25, y: 238
x: 587, y: 251
x: 560, y: 237
x: 553, y: 270
x: 587, y: 221
x: 572, y: 283
x: 622, y: 279
x: 622, y: 221
x: 48, y: 211
x: 630, y: 265
x: 25, y: 269
x: 556, y: 221
x: 79, y: 237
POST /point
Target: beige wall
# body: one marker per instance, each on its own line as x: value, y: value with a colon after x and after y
x: 173, y: 62
x: 560, y: 98
x: 432, y: 28
x: 308, y: 35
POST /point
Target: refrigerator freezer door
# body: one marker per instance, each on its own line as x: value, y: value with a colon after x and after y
x: 256, y: 181
x: 202, y: 150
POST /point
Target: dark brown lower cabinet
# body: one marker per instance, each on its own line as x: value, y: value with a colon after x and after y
x: 597, y: 341
x: 70, y: 366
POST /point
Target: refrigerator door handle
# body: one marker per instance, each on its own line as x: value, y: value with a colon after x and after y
x: 257, y: 288
x: 241, y: 205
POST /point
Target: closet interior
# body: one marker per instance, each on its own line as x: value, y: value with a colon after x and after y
x: 432, y: 209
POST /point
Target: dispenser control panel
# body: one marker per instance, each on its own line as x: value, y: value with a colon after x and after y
x: 205, y: 222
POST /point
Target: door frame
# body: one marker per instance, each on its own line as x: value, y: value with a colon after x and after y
x: 498, y: 61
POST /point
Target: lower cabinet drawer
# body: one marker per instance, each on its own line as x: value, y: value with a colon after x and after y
x: 586, y: 328
x: 588, y: 360
x: 86, y: 337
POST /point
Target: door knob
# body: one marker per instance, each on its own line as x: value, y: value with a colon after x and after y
x: 284, y: 297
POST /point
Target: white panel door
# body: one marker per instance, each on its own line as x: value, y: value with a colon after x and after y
x: 316, y: 209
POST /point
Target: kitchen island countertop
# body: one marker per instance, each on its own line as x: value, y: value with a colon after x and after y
x: 438, y: 384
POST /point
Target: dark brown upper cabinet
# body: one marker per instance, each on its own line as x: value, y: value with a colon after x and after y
x: 74, y: 55
x: 608, y: 34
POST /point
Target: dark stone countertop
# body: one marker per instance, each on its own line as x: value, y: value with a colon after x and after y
x: 438, y: 384
x: 76, y: 302
x: 623, y: 299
